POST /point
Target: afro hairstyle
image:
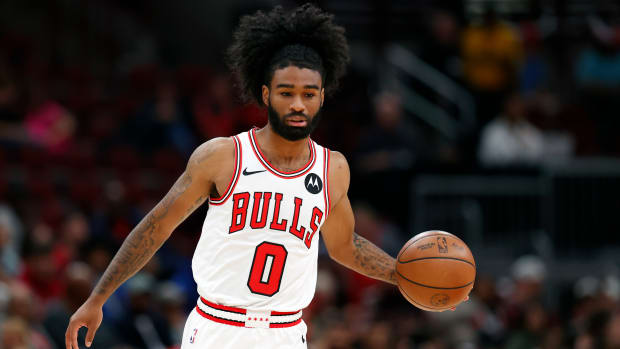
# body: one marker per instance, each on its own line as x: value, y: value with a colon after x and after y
x: 307, y: 37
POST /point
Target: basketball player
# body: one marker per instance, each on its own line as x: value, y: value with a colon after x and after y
x: 270, y: 191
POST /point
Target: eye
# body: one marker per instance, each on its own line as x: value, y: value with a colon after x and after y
x: 286, y: 94
x: 309, y: 95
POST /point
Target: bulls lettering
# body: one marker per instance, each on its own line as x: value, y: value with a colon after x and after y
x: 297, y: 232
x: 239, y: 213
x: 317, y: 215
x: 260, y: 211
x: 275, y: 225
x: 255, y: 223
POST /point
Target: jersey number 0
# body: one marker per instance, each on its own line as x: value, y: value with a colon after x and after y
x: 267, y: 268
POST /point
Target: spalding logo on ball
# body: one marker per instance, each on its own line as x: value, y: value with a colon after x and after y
x: 435, y: 270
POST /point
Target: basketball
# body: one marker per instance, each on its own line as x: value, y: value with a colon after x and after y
x: 435, y: 270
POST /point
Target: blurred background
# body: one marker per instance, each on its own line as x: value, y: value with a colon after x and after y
x: 497, y: 121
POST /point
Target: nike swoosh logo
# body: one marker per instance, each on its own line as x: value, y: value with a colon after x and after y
x: 247, y: 173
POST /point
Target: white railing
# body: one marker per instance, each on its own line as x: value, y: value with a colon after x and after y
x: 402, y: 62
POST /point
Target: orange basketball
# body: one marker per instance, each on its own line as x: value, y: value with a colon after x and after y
x: 435, y: 270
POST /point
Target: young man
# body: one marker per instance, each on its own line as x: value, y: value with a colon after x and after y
x: 270, y: 191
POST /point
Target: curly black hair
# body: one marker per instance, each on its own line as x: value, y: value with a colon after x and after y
x: 307, y: 37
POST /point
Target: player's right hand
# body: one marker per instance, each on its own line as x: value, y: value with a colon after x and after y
x: 90, y: 315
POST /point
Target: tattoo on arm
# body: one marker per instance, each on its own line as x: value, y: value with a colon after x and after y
x: 196, y: 203
x: 143, y: 241
x: 371, y: 261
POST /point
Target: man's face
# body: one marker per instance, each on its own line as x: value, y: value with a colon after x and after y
x: 294, y: 99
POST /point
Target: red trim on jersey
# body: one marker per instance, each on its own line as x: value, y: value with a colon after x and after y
x: 244, y: 312
x: 326, y: 178
x: 220, y: 320
x: 284, y: 312
x: 263, y: 160
x: 223, y: 307
x: 235, y: 178
x: 286, y: 324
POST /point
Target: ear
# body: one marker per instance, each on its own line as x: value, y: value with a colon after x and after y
x: 265, y: 95
x: 322, y: 96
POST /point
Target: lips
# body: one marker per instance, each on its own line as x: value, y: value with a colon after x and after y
x: 296, y: 121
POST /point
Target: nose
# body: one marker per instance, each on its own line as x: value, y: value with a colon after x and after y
x: 297, y: 105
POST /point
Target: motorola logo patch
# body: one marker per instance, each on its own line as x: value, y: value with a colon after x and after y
x: 313, y: 183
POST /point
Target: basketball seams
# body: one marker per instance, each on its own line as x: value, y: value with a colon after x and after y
x: 424, y: 258
x: 416, y: 240
x: 406, y: 247
x: 430, y: 260
x: 421, y: 306
x: 434, y: 287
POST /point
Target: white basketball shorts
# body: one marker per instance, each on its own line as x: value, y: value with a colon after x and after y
x: 201, y: 332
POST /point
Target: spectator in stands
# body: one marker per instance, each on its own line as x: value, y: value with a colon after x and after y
x: 492, y: 54
x: 530, y: 333
x: 441, y: 48
x: 215, y: 110
x: 535, y: 70
x: 598, y: 65
x: 24, y: 306
x: 510, y: 139
x: 98, y: 254
x: 564, y: 127
x: 163, y: 122
x: 42, y: 272
x: 143, y: 326
x: 612, y: 331
x: 10, y: 241
x: 48, y: 123
x: 522, y: 310
x: 436, y: 342
x: 79, y: 277
x: 73, y: 234
x: 485, y: 316
x: 379, y: 336
x: 597, y: 72
x: 338, y: 335
x: 528, y: 273
x: 79, y: 280
x: 171, y: 301
x: 14, y: 334
x: 11, y: 130
x: 386, y: 154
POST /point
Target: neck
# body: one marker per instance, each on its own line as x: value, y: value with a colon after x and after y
x: 276, y: 145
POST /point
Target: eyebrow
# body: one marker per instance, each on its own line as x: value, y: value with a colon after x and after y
x: 292, y: 86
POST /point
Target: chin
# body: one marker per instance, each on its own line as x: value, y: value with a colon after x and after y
x: 294, y: 135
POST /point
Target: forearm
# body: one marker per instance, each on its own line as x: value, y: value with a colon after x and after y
x: 137, y: 249
x: 367, y: 259
x: 144, y: 240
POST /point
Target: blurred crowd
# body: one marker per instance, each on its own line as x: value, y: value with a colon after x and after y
x: 89, y: 143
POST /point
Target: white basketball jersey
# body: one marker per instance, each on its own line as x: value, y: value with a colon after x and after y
x: 259, y: 243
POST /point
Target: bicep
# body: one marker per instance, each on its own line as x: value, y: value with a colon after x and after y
x: 188, y: 192
x: 193, y: 187
x: 337, y: 231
